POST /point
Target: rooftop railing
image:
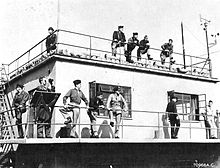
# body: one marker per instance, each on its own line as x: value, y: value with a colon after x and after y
x: 147, y: 125
x: 89, y: 47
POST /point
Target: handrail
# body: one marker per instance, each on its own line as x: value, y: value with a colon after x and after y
x: 30, y: 49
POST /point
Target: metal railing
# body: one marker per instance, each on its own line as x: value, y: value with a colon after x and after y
x: 150, y: 125
x: 85, y: 46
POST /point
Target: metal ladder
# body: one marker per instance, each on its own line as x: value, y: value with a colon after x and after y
x: 7, y: 122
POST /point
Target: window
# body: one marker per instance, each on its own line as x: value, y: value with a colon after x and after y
x: 189, y: 106
x: 107, y: 89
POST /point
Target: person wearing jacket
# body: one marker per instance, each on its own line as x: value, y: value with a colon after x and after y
x: 19, y: 104
x: 173, y: 117
x: 132, y: 43
x: 116, y: 104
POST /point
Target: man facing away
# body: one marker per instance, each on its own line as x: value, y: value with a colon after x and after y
x: 93, y: 111
x: 75, y: 95
x: 167, y: 50
x: 19, y: 104
x: 51, y: 41
x: 173, y: 117
x: 116, y: 104
x: 143, y: 48
x: 118, y: 41
x: 132, y: 43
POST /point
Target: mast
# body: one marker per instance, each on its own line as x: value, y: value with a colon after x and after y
x: 184, y: 56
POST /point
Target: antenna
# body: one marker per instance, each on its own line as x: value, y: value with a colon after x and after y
x: 205, y: 22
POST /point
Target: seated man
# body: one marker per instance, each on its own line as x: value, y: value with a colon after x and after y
x: 93, y: 111
x: 132, y: 43
x: 143, y: 49
x: 116, y: 104
x: 167, y: 50
x: 51, y: 41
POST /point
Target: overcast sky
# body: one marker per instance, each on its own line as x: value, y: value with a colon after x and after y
x: 25, y: 22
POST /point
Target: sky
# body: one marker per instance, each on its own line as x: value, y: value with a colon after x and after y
x: 25, y: 22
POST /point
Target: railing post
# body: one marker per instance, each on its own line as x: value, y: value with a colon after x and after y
x: 158, y: 115
x: 190, y: 128
x: 41, y: 46
x: 79, y: 122
x: 29, y: 55
x: 122, y: 126
x: 191, y: 65
x: 90, y: 47
x: 210, y: 68
x: 218, y: 135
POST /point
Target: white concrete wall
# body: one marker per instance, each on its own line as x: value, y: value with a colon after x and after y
x: 149, y: 93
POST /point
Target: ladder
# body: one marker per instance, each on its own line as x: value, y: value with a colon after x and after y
x: 7, y: 122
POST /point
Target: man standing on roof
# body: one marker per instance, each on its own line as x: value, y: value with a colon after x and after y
x: 118, y: 41
x: 116, y: 104
x: 143, y: 48
x: 167, y: 50
x: 132, y: 43
x: 51, y: 41
x: 173, y: 117
x: 75, y: 95
x: 19, y: 104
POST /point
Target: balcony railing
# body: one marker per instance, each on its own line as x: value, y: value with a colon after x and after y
x: 149, y: 125
x: 89, y: 47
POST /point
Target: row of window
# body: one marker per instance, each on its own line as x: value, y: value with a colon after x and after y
x: 189, y: 105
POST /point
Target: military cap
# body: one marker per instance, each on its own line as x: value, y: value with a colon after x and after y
x: 135, y: 33
x: 120, y: 27
x: 76, y: 82
x: 50, y: 28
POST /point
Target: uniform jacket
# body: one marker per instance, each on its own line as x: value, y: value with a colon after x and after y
x: 132, y: 43
x: 116, y: 102
x: 20, y: 99
x: 75, y: 96
x: 95, y: 103
x: 119, y: 36
x: 51, y: 40
x: 171, y: 109
x: 144, y: 44
x: 167, y: 46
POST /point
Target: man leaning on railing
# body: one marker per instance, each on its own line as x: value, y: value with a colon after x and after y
x: 51, y: 41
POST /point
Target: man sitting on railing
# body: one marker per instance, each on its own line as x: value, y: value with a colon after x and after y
x: 118, y: 41
x: 167, y: 50
x: 144, y: 49
x: 75, y: 95
x: 132, y: 43
x: 19, y: 104
x: 173, y: 117
x: 93, y: 111
x: 51, y: 41
x: 116, y: 104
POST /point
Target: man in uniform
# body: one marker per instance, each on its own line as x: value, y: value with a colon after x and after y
x: 143, y: 48
x: 167, y: 50
x: 116, y: 104
x: 51, y: 41
x: 132, y: 43
x: 75, y: 95
x: 94, y: 106
x: 118, y: 41
x: 19, y: 104
x: 43, y: 112
x: 173, y: 117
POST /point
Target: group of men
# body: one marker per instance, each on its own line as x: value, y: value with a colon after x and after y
x: 119, y: 46
x: 116, y: 104
x: 43, y: 113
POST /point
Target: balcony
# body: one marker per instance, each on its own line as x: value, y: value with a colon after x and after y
x: 143, y: 127
x: 91, y: 48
